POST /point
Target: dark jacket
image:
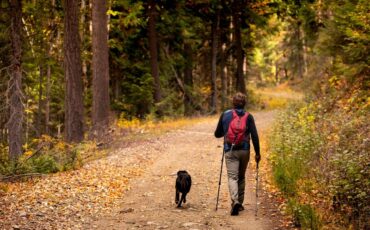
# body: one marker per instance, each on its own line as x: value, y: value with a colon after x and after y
x: 223, y: 126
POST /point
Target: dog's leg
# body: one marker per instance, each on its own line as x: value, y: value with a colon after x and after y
x: 185, y: 197
x: 177, y: 196
x: 181, y: 200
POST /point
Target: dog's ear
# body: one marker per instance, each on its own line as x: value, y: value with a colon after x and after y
x: 182, y: 172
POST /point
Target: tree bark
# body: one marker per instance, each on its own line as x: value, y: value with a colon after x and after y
x: 223, y: 77
x: 16, y: 108
x: 153, y: 49
x: 240, y: 84
x: 100, y: 62
x: 48, y: 69
x: 300, y: 55
x: 39, y: 110
x: 47, y: 98
x: 215, y: 25
x: 73, y: 74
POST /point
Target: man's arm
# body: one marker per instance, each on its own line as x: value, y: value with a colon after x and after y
x: 219, y: 130
x: 254, y: 134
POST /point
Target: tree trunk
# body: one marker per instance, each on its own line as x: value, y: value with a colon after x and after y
x: 153, y: 49
x: 39, y: 110
x: 100, y: 62
x: 215, y: 25
x: 223, y: 77
x: 15, y: 121
x: 47, y: 98
x: 48, y: 69
x: 188, y: 79
x: 73, y: 74
x: 240, y: 84
x: 299, y: 50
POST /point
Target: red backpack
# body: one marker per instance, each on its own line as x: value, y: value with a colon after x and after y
x: 237, y: 129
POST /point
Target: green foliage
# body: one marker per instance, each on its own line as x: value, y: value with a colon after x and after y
x: 328, y: 152
x: 348, y: 159
x: 304, y: 216
x: 45, y: 155
x: 294, y: 143
x: 40, y: 164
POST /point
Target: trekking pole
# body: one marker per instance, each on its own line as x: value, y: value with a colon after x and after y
x: 256, y: 189
x: 219, y: 181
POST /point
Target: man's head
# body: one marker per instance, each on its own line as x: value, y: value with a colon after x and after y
x: 239, y: 100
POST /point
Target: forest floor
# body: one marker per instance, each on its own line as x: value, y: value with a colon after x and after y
x: 134, y: 188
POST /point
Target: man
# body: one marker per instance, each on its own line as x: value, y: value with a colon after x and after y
x: 237, y: 150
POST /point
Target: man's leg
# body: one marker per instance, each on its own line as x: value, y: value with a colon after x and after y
x: 232, y: 166
x: 243, y: 156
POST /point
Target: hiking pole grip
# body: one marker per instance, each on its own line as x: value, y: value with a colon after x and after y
x: 219, y: 181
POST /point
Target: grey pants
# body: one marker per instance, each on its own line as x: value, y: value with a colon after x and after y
x: 236, y: 165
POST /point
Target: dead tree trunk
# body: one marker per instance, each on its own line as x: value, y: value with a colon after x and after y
x: 73, y: 74
x: 100, y: 110
x: 15, y: 121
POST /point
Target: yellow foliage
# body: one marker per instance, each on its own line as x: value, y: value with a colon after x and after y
x: 28, y: 153
x: 60, y: 146
x: 124, y: 123
x: 149, y: 125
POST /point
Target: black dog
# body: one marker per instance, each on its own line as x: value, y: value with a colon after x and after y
x: 183, y: 184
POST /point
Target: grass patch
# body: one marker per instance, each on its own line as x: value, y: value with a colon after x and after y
x: 278, y: 97
x: 152, y: 126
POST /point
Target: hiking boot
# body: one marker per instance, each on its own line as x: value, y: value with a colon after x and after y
x: 235, y: 209
x: 241, y: 208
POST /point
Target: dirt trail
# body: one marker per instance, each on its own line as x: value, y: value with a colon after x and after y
x: 134, y: 188
x: 150, y: 202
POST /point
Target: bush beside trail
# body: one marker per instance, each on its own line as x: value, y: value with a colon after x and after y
x: 320, y: 160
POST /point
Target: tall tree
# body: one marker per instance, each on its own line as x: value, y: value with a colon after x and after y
x: 73, y: 73
x: 215, y: 29
x: 236, y: 14
x: 100, y: 62
x: 188, y: 78
x: 153, y: 49
x: 15, y: 121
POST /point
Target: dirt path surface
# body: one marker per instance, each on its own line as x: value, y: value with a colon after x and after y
x: 134, y: 188
x: 150, y: 203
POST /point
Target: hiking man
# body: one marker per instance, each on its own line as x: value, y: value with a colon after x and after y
x: 237, y: 126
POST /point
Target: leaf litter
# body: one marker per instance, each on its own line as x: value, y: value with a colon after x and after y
x: 67, y: 200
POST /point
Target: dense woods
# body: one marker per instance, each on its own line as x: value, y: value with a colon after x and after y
x: 70, y: 69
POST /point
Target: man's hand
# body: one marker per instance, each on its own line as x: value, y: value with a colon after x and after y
x: 258, y: 158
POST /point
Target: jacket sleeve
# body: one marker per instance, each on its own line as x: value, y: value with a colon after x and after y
x: 254, y: 134
x: 219, y: 132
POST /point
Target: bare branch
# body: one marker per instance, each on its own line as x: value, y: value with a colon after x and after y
x: 19, y: 176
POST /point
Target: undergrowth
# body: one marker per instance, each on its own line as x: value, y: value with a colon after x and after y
x: 320, y: 161
x: 45, y: 155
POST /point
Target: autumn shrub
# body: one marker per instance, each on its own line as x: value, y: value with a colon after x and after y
x: 43, y: 155
x: 294, y: 144
x: 304, y: 215
x: 348, y: 160
x: 320, y: 160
